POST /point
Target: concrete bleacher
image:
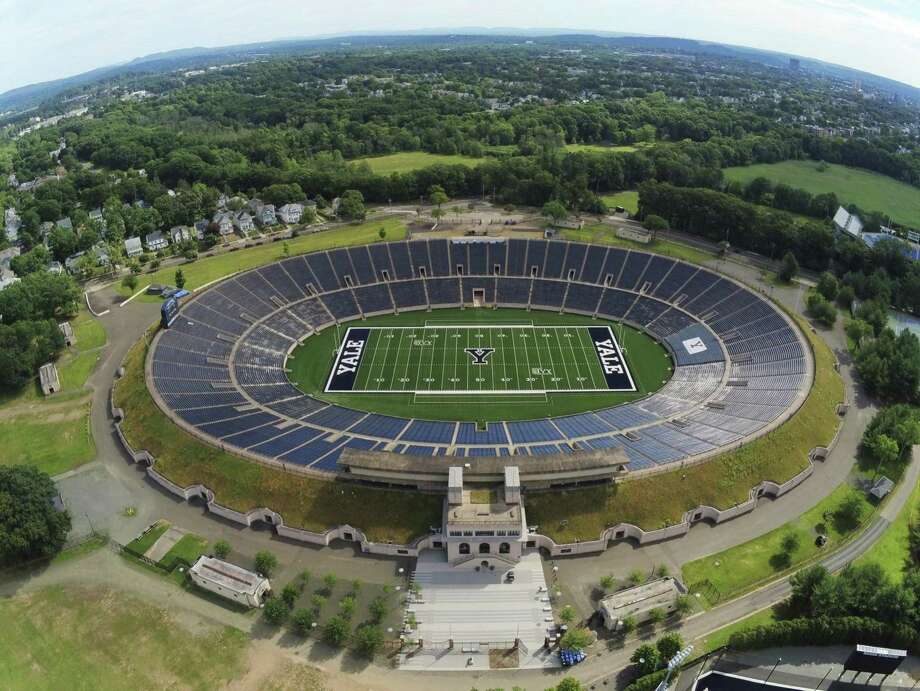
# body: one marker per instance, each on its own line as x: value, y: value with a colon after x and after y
x: 739, y: 363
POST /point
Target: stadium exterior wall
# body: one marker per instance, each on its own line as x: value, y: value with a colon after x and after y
x: 348, y: 533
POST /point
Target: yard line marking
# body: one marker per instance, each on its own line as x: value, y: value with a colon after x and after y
x: 568, y: 379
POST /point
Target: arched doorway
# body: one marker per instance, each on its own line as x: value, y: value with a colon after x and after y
x: 484, y: 548
x: 464, y: 548
x: 504, y: 548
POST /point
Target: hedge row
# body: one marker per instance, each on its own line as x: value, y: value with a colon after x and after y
x: 825, y: 631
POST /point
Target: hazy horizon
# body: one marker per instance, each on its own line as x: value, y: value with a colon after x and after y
x: 56, y: 39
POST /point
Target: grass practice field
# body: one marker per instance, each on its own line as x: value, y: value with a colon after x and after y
x: 530, y: 370
x: 628, y: 199
x: 407, y: 161
x: 479, y: 359
x: 871, y: 191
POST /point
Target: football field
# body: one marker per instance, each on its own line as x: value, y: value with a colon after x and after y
x: 479, y: 359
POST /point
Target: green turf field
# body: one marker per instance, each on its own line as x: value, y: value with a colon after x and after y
x: 528, y: 346
x: 871, y: 191
x: 478, y: 359
x: 406, y: 161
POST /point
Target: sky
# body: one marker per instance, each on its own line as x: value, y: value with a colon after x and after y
x: 49, y: 39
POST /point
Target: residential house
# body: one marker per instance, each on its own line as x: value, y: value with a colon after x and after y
x: 133, y: 247
x: 255, y: 206
x: 64, y: 223
x: 201, y: 227
x: 156, y: 241
x: 7, y: 277
x: 243, y: 222
x: 96, y: 216
x: 73, y: 260
x: 45, y: 230
x: 222, y: 201
x: 290, y: 213
x: 55, y: 268
x: 180, y: 234
x: 266, y: 215
x: 224, y: 221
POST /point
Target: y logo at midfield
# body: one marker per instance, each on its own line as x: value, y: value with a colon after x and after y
x: 480, y: 355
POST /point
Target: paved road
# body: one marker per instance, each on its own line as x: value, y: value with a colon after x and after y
x: 119, y: 480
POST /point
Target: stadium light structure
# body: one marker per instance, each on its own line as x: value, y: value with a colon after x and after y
x: 673, y: 664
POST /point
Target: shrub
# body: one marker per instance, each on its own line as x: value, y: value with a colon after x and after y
x: 656, y: 615
x: 629, y: 624
x: 222, y: 549
x: 289, y: 594
x: 367, y: 640
x: 607, y: 582
x: 378, y: 609
x: 823, y: 631
x: 336, y: 631
x: 567, y: 614
x: 266, y: 563
x: 317, y: 601
x: 275, y: 611
x: 669, y: 645
x: 649, y: 682
x: 789, y: 267
x: 576, y: 639
x: 329, y: 580
x: 347, y: 606
x: 130, y: 282
x: 683, y: 605
x: 302, y: 621
x: 646, y: 658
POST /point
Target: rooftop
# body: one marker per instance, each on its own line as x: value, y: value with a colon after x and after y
x: 480, y: 508
x: 228, y: 575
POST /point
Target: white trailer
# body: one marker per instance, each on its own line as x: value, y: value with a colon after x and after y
x: 230, y: 581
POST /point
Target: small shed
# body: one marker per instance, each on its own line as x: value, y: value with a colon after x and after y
x: 230, y: 581
x: 69, y: 337
x: 48, y: 377
x: 881, y: 488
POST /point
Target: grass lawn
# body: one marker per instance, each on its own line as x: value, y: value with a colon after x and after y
x: 188, y: 549
x: 722, y: 482
x: 305, y: 502
x: 312, y: 362
x: 628, y: 199
x: 871, y: 191
x: 733, y: 571
x: 53, y: 442
x: 407, y: 161
x: 99, y: 639
x: 145, y: 541
x: 601, y: 148
x: 602, y: 234
x: 891, y: 552
x: 720, y: 637
x: 207, y: 269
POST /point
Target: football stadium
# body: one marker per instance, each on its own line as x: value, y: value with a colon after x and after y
x: 479, y: 347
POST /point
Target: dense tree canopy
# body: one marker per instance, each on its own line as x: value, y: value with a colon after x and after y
x: 30, y: 525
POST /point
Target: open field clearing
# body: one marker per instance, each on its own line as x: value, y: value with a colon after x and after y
x: 870, y: 191
x: 407, y: 161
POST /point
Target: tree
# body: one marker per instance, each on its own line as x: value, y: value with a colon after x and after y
x: 30, y: 526
x: 821, y: 310
x: 850, y: 511
x: 576, y: 639
x: 302, y: 621
x: 266, y: 562
x: 828, y: 286
x: 317, y: 601
x: 554, y: 210
x: 885, y: 450
x: 646, y: 658
x: 221, y: 549
x: 130, y: 282
x: 351, y: 205
x: 607, y: 582
x: 382, y: 233
x: 569, y: 684
x: 669, y: 645
x: 790, y: 543
x: 335, y: 632
x: 275, y: 610
x: 628, y: 624
x: 789, y: 267
x: 437, y: 196
x: 636, y: 577
x: 367, y: 640
x: 180, y: 279
x: 857, y: 330
x: 804, y: 584
x: 656, y: 223
x: 656, y: 615
x: 567, y: 614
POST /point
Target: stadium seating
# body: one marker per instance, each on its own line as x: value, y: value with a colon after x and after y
x: 739, y: 363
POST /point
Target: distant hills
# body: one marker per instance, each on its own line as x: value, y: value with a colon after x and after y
x: 190, y: 58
